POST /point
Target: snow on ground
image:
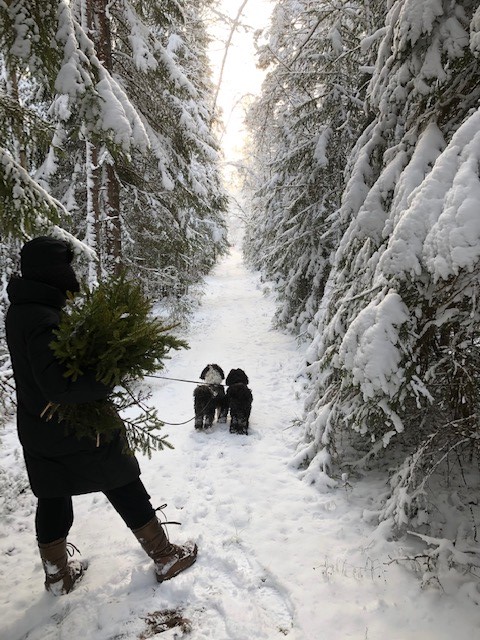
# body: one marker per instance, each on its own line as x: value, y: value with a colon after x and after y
x: 276, y: 558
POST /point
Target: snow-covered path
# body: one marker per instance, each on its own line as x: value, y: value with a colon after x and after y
x: 276, y: 558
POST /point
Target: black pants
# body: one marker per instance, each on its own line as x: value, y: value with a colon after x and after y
x: 54, y: 516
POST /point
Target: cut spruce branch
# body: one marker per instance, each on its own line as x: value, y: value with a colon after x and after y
x: 110, y: 331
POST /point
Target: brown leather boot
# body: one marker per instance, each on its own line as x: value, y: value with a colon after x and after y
x: 60, y: 573
x: 170, y: 559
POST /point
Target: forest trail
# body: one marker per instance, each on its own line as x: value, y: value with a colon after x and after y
x: 276, y: 557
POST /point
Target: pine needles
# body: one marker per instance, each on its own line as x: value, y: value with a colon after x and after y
x: 110, y: 331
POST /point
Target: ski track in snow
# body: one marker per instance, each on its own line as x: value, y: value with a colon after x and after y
x: 276, y: 558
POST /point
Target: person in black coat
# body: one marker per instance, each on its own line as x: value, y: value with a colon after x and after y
x: 59, y: 463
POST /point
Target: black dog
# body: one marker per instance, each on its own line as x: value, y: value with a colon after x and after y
x: 210, y: 397
x: 239, y: 398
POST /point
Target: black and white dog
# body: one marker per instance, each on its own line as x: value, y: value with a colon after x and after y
x: 239, y: 399
x: 209, y: 397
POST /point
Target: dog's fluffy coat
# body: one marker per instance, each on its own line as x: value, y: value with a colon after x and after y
x: 210, y: 397
x: 239, y: 400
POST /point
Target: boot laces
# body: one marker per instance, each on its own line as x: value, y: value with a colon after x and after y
x: 71, y: 548
x: 165, y: 521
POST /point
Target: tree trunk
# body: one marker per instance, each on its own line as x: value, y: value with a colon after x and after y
x: 109, y: 191
x: 93, y: 235
x: 114, y: 230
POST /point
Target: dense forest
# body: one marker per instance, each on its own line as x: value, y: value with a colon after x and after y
x: 107, y: 140
x: 108, y: 135
x: 364, y: 187
x: 361, y: 178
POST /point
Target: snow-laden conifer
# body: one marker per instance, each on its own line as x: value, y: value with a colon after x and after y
x: 170, y: 200
x: 303, y: 126
x: 107, y: 136
x: 395, y: 357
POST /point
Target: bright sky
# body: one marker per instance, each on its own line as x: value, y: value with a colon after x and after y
x: 241, y: 78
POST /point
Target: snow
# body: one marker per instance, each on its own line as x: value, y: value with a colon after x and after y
x: 320, y: 152
x: 277, y: 558
x: 418, y: 18
x: 369, y: 349
x: 475, y: 32
x: 439, y: 226
x: 138, y: 38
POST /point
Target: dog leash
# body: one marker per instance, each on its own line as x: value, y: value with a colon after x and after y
x: 182, y: 380
x: 179, y: 424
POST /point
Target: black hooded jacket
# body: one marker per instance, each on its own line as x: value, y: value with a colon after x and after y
x: 58, y: 463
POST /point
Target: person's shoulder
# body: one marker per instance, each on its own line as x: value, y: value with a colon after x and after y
x: 23, y: 292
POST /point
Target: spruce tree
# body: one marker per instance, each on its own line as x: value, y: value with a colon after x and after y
x: 109, y: 331
x: 395, y: 355
x: 117, y: 152
x: 303, y: 127
x: 171, y: 200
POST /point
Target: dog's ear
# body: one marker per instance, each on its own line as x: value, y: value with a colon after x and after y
x: 242, y: 376
x: 229, y: 379
x: 219, y: 369
x: 204, y: 372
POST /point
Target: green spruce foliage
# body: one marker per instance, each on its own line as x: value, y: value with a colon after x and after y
x: 110, y: 331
